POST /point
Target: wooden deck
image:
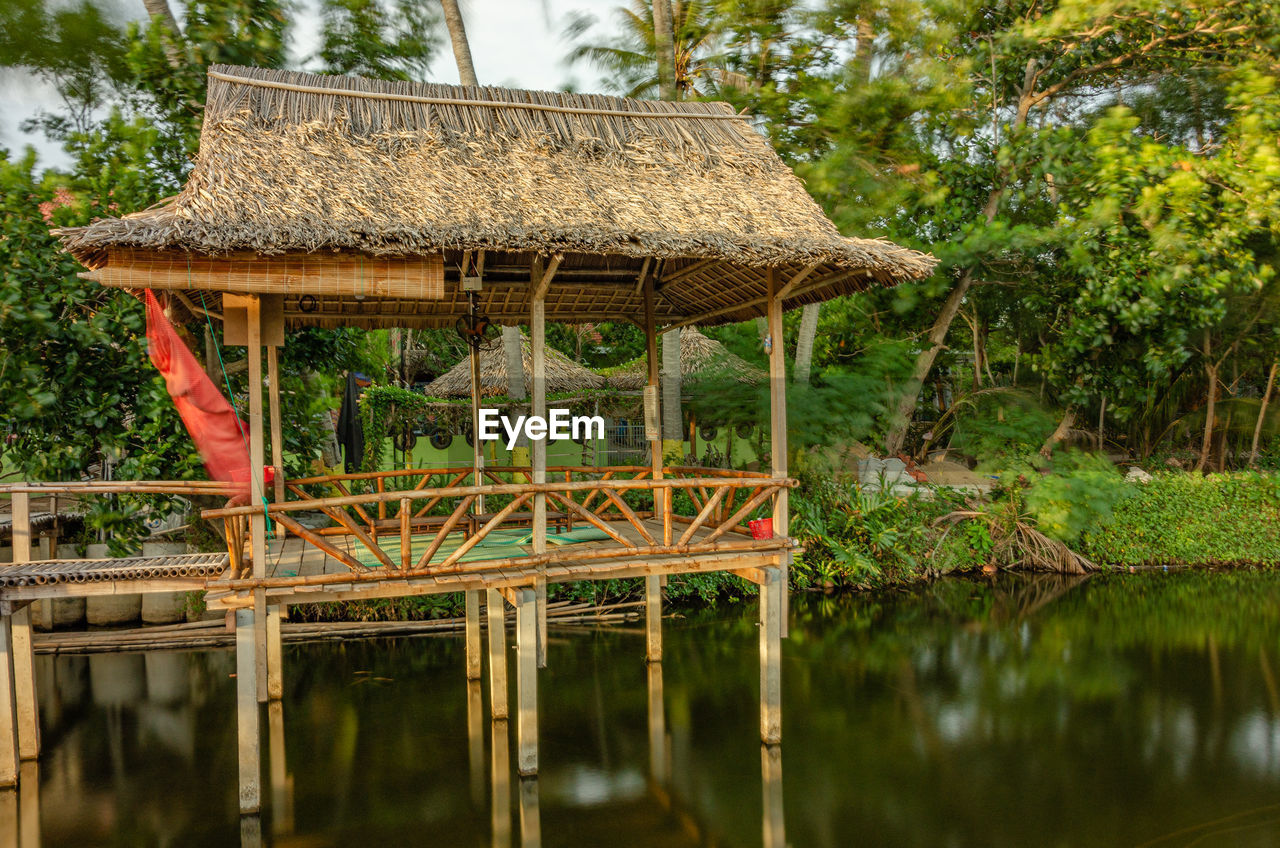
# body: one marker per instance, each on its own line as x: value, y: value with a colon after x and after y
x: 292, y: 561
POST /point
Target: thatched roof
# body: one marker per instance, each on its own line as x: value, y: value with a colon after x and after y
x: 700, y: 358
x: 689, y: 193
x: 563, y: 374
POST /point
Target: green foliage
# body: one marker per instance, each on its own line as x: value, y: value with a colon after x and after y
x: 1079, y: 494
x: 1190, y: 519
x: 387, y: 39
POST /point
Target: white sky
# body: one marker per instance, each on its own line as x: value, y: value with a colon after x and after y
x: 514, y: 43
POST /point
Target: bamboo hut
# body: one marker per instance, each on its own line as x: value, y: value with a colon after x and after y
x: 338, y: 201
x: 700, y: 357
x: 562, y: 374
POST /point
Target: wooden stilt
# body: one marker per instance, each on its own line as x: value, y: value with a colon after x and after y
x: 281, y: 781
x: 500, y: 772
x: 775, y: 829
x: 771, y: 656
x: 657, y: 726
x: 24, y: 686
x: 258, y: 520
x: 527, y: 682
x: 275, y: 653
x: 249, y: 744
x: 538, y: 344
x: 9, y: 827
x: 29, y: 805
x: 474, y: 661
x: 530, y: 814
x: 778, y: 430
x: 8, y: 715
x: 22, y: 655
x: 653, y: 618
x: 475, y: 740
x: 497, y: 654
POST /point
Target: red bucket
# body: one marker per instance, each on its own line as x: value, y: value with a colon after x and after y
x: 761, y: 528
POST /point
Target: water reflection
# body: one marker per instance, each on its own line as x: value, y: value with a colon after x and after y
x: 1024, y: 711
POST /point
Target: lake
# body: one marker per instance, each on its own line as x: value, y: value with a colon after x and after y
x: 1025, y: 711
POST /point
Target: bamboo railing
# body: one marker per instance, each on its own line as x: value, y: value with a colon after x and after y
x: 405, y: 503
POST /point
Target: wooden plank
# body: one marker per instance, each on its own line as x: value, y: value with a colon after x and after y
x: 527, y: 682
x: 497, y: 653
x: 248, y: 741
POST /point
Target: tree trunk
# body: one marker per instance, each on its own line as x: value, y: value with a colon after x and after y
x: 672, y: 419
x: 1059, y: 433
x: 158, y: 10
x: 1102, y: 421
x: 924, y: 363
x: 665, y: 47
x: 1211, y: 371
x: 804, y: 342
x: 1262, y: 413
x: 458, y: 38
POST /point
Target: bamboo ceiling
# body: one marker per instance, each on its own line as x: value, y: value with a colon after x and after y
x: 342, y: 173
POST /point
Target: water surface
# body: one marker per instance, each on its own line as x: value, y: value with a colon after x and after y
x: 1118, y: 710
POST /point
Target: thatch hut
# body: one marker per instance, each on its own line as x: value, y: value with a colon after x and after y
x: 700, y: 357
x: 339, y: 201
x: 562, y: 374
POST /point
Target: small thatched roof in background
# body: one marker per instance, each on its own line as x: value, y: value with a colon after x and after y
x: 563, y: 374
x: 293, y: 165
x: 700, y: 358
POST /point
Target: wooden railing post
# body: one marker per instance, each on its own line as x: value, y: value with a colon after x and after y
x: 778, y: 428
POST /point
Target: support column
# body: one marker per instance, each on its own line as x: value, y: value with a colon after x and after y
x: 281, y: 782
x: 778, y: 430
x: 500, y: 772
x: 527, y: 681
x: 27, y: 712
x: 653, y: 618
x: 775, y: 829
x: 8, y: 716
x: 474, y: 662
x: 475, y: 740
x: 29, y: 805
x: 538, y: 344
x: 249, y: 743
x: 771, y: 656
x: 257, y: 497
x: 530, y: 814
x: 658, y: 770
x: 275, y: 653
x: 661, y: 497
x: 497, y: 654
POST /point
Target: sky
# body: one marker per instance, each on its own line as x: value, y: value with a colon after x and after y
x: 515, y: 43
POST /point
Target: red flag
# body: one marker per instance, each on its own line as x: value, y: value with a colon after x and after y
x: 218, y: 433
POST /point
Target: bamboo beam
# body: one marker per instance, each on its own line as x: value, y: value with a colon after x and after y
x: 688, y: 271
x: 275, y: 654
x: 472, y: 629
x: 277, y: 429
x: 592, y: 519
x: 488, y: 528
x: 629, y: 514
x: 798, y: 278
x: 653, y: 619
x: 318, y: 541
x: 702, y: 516
x: 340, y: 516
x: 458, y: 512
x: 743, y: 512
x: 771, y: 657
x: 813, y: 285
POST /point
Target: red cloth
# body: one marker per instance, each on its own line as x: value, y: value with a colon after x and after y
x: 218, y: 433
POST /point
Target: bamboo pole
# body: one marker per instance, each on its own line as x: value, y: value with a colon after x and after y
x: 592, y: 519
x: 24, y: 684
x: 657, y: 726
x: 257, y: 518
x: 312, y: 538
x: 277, y: 426
x: 774, y: 824
x: 538, y: 343
x: 472, y: 630
x: 630, y: 515
x: 500, y: 774
x: 275, y: 654
x: 778, y: 427
x: 459, y: 512
x: 702, y: 516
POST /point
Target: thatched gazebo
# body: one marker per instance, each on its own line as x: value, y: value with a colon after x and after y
x: 700, y: 357
x: 338, y: 201
x: 562, y: 374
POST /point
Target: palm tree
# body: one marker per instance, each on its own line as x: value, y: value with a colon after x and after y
x: 458, y: 38
x: 629, y: 58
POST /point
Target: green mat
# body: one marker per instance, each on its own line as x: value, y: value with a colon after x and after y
x: 498, y: 544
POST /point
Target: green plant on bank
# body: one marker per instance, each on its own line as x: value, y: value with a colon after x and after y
x: 1192, y: 519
